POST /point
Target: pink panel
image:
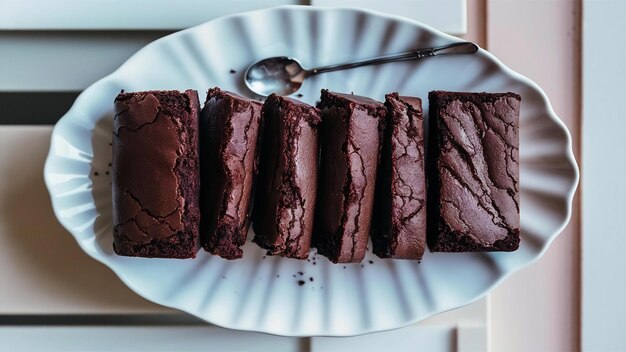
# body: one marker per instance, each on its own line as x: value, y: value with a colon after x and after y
x: 538, y: 308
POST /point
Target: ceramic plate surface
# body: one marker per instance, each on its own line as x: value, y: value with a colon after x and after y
x: 262, y: 293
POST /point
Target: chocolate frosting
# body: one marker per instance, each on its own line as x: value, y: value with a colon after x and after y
x: 286, y: 194
x: 399, y: 228
x: 148, y: 202
x: 351, y: 133
x: 478, y: 171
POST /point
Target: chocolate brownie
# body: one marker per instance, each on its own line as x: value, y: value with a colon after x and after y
x: 230, y: 126
x: 399, y: 221
x: 156, y: 185
x: 473, y: 183
x: 285, y: 195
x: 351, y: 134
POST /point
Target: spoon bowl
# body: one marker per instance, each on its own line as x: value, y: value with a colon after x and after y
x: 281, y: 75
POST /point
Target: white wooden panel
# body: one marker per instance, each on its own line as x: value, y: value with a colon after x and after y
x: 472, y: 338
x: 121, y: 14
x: 141, y: 339
x: 412, y: 338
x: 475, y: 313
x: 604, y: 147
x: 74, y: 60
x: 446, y: 15
x: 64, y: 61
x: 537, y: 308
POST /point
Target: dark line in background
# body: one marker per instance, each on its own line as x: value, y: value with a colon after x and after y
x: 34, y: 108
x: 96, y: 320
x: 577, y: 33
x: 108, y: 34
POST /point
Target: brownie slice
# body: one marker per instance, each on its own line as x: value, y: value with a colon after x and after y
x: 286, y: 192
x: 156, y: 185
x: 473, y: 183
x: 399, y: 222
x: 230, y: 126
x: 351, y: 134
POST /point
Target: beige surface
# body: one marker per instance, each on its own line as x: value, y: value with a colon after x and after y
x: 42, y: 268
x: 537, y: 309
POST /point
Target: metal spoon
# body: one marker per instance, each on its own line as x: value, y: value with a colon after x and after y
x: 284, y: 75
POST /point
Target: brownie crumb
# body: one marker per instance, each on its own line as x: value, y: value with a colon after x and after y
x: 110, y: 144
x: 300, y: 273
x: 263, y: 257
x: 294, y: 275
x: 311, y: 279
x: 300, y: 282
x: 232, y: 71
x: 344, y: 266
x: 371, y: 262
x: 110, y: 164
x: 314, y: 263
x: 362, y: 265
x: 95, y: 173
x: 299, y: 95
x: 277, y: 275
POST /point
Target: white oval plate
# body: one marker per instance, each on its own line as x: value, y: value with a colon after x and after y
x: 262, y: 293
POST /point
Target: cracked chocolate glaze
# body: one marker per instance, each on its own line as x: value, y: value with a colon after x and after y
x: 155, y: 185
x: 351, y: 132
x: 474, y: 160
x: 287, y: 186
x: 399, y: 222
x: 230, y: 127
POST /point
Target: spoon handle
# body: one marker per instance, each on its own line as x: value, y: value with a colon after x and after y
x: 455, y: 48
